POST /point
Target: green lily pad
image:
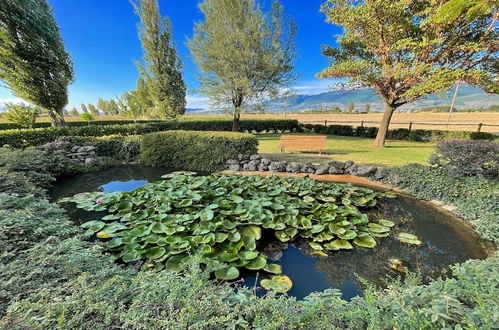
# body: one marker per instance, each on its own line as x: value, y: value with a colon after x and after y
x: 316, y: 246
x: 279, y: 284
x: 257, y: 263
x: 409, y: 239
x: 93, y: 226
x: 273, y: 268
x: 174, y: 263
x: 377, y: 228
x: 338, y: 244
x: 252, y: 231
x: 365, y: 240
x: 248, y: 255
x: 386, y: 223
x: 227, y: 274
x: 155, y: 252
x: 349, y: 235
x: 131, y: 256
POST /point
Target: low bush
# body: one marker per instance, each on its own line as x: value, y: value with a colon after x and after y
x: 195, y: 151
x: 33, y: 137
x: 468, y: 158
x: 418, y: 135
x: 476, y: 199
x: 45, y: 124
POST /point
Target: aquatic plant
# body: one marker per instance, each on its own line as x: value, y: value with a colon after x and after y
x: 221, y: 217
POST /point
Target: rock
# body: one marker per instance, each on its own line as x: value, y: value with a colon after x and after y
x: 235, y: 168
x: 348, y: 164
x: 86, y: 149
x: 308, y: 168
x: 293, y: 167
x: 263, y: 167
x: 90, y: 161
x: 366, y: 170
x: 249, y: 167
x: 75, y: 148
x: 277, y: 166
x: 243, y: 157
x: 381, y: 173
x: 255, y: 162
x: 265, y: 161
x: 232, y: 162
x: 352, y: 170
x: 322, y: 169
x: 336, y: 167
x: 255, y: 157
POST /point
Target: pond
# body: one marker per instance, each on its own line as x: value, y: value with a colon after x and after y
x: 446, y: 239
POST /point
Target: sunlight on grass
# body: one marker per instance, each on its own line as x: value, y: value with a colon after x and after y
x: 359, y: 150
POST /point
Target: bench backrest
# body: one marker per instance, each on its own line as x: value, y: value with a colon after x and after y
x: 303, y: 142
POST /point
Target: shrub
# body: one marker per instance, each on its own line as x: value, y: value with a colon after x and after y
x: 22, y: 115
x: 468, y: 158
x: 476, y: 199
x: 123, y: 149
x: 195, y: 151
x: 34, y: 137
x: 418, y: 135
x: 88, y: 117
x: 44, y: 124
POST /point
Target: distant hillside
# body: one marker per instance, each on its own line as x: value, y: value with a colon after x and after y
x: 468, y: 97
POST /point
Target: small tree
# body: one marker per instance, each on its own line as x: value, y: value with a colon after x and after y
x: 103, y: 106
x: 22, y: 114
x: 129, y: 106
x: 161, y: 74
x: 74, y: 112
x: 93, y: 110
x: 33, y: 62
x: 113, y: 107
x: 405, y: 50
x: 86, y: 117
x: 243, y: 54
x: 84, y: 108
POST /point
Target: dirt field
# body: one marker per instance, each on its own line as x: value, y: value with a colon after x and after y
x: 458, y: 122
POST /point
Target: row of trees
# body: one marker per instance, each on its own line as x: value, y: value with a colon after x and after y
x: 404, y: 50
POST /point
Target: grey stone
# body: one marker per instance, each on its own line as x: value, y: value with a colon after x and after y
x: 265, y: 161
x: 293, y: 167
x: 255, y: 162
x: 86, y: 149
x: 263, y: 167
x: 277, y: 166
x: 242, y: 157
x: 249, y: 167
x: 366, y: 170
x: 381, y: 173
x: 235, y: 168
x: 90, y: 161
x: 323, y: 169
x: 336, y: 167
x: 352, y: 170
x: 255, y: 157
x: 232, y: 162
x: 348, y: 164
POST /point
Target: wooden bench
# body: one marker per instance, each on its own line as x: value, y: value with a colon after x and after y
x: 303, y: 142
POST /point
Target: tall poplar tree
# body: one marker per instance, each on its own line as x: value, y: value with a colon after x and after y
x: 161, y: 72
x: 406, y: 50
x: 33, y: 62
x: 243, y: 53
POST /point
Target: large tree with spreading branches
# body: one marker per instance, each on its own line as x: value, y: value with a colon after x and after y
x: 407, y: 49
x: 34, y: 64
x: 244, y: 54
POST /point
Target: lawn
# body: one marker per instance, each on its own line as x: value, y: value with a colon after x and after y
x: 359, y: 150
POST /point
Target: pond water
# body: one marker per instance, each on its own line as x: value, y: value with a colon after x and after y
x: 446, y: 239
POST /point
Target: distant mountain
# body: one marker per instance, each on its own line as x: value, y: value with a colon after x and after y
x: 468, y: 97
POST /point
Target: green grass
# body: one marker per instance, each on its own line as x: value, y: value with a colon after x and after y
x: 359, y: 150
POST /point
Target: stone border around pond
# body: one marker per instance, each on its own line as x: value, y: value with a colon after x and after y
x: 253, y: 163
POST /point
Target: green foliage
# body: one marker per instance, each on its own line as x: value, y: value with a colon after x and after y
x: 129, y: 106
x: 161, y: 84
x: 86, y: 116
x: 40, y: 168
x: 417, y: 135
x: 243, y: 53
x: 22, y: 114
x: 93, y: 110
x: 195, y: 151
x: 221, y: 218
x: 476, y: 199
x: 35, y: 137
x: 33, y: 61
x: 468, y: 158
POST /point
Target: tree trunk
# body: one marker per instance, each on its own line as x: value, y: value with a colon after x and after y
x: 379, y: 142
x: 236, y: 123
x: 57, y: 118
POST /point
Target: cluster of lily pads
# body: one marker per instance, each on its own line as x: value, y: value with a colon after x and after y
x: 221, y: 218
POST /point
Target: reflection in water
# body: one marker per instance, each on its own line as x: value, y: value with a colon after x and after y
x: 446, y: 240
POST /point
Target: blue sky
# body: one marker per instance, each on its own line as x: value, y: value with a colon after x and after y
x: 101, y: 36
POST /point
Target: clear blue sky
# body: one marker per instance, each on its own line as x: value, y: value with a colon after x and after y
x: 101, y: 36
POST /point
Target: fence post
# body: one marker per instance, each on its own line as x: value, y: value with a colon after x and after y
x: 362, y: 124
x: 325, y: 122
x: 480, y: 127
x: 410, y: 126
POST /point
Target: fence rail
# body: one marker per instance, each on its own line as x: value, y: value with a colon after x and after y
x: 410, y: 124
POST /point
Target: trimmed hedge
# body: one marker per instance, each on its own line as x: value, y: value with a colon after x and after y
x: 38, y: 136
x: 195, y: 151
x: 417, y: 135
x: 9, y: 125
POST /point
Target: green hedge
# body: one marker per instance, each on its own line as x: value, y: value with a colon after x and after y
x: 195, y: 151
x: 38, y: 136
x: 418, y: 135
x: 9, y: 125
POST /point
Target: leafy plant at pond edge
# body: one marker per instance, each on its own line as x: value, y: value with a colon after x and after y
x: 221, y: 217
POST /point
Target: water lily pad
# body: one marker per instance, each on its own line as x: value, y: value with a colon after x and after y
x: 248, y: 255
x: 319, y: 253
x: 257, y: 263
x: 207, y: 214
x: 282, y: 236
x: 377, y: 228
x: 365, y: 240
x: 398, y: 265
x: 338, y: 244
x: 131, y: 256
x: 273, y: 268
x: 279, y: 284
x: 252, y: 231
x: 93, y: 226
x: 316, y: 246
x: 227, y: 274
x: 349, y: 235
x: 114, y: 243
x: 386, y: 223
x: 103, y: 234
x: 174, y: 263
x: 409, y: 239
x: 155, y: 252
